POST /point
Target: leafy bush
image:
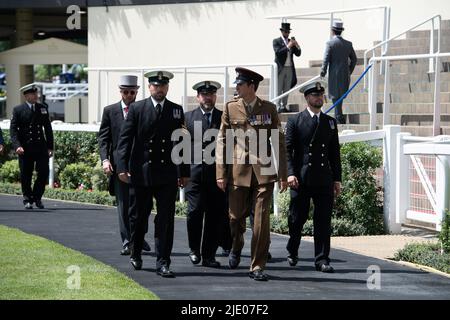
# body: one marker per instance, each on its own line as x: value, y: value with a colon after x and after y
x: 8, y: 153
x: 9, y: 171
x: 76, y: 175
x: 181, y: 208
x: 425, y: 254
x: 444, y: 236
x: 361, y: 199
x: 73, y: 147
x: 95, y: 197
x: 99, y: 180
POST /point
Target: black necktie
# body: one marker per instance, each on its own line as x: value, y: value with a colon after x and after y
x: 208, y: 118
x: 158, y: 110
x: 33, y: 108
x: 315, y: 121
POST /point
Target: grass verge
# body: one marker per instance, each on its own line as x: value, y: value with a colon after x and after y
x: 32, y: 267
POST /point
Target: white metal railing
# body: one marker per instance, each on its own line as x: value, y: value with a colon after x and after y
x: 62, y: 91
x: 185, y: 70
x: 437, y: 193
x: 385, y: 44
x: 294, y: 89
x: 373, y: 83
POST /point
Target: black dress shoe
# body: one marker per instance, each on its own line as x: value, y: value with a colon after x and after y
x: 258, y: 275
x: 28, y: 205
x: 136, y: 263
x: 125, y: 251
x: 146, y: 246
x: 234, y: 260
x: 165, y: 272
x: 292, y: 260
x: 324, y: 267
x: 195, y: 257
x: 39, y: 204
x: 210, y: 263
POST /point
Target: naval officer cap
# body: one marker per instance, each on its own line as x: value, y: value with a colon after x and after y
x: 158, y: 77
x: 206, y: 86
x: 315, y: 86
x: 29, y: 88
x: 248, y: 76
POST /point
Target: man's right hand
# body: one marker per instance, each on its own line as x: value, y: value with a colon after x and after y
x: 107, y: 168
x: 222, y: 184
x: 293, y: 182
x: 20, y: 151
x: 124, y: 177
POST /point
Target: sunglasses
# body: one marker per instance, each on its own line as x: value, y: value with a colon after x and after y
x: 132, y: 92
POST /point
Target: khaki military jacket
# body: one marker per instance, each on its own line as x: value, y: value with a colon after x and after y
x: 237, y: 166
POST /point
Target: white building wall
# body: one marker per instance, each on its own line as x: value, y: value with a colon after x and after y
x: 235, y: 32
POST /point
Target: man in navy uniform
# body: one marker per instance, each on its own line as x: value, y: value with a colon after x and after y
x: 113, y: 117
x: 32, y: 139
x: 314, y: 172
x: 285, y: 49
x: 340, y: 60
x: 144, y: 159
x: 206, y: 200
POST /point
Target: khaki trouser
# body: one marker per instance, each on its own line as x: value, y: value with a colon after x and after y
x: 241, y: 200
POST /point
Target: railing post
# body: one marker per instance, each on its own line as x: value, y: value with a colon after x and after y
x: 51, y: 174
x: 331, y: 23
x: 372, y: 97
x: 387, y: 91
x: 185, y: 90
x: 106, y: 88
x: 442, y: 188
x: 390, y: 150
x: 437, y: 99
x: 225, y: 86
x: 431, y: 60
x: 401, y: 179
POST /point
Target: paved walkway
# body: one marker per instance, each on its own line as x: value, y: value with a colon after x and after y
x: 93, y: 230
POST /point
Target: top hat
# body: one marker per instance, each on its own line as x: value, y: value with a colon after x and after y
x: 337, y: 25
x: 285, y: 26
x: 158, y: 77
x: 128, y: 82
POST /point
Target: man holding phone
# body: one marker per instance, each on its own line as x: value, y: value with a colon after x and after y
x: 285, y: 49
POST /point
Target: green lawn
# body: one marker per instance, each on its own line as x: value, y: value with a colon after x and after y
x: 32, y: 267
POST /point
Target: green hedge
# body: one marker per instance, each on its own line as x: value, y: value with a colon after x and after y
x: 95, y: 197
x: 444, y: 236
x: 425, y: 254
x: 9, y: 171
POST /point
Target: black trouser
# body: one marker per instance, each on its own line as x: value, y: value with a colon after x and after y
x: 206, y: 201
x: 126, y: 203
x: 323, y: 198
x: 165, y: 196
x: 340, y: 118
x: 28, y: 162
x: 225, y: 240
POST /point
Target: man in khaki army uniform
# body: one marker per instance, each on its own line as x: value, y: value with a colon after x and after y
x: 248, y: 172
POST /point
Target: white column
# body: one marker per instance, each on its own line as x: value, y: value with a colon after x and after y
x: 51, y: 175
x: 401, y: 180
x: 390, y: 150
x: 12, y: 87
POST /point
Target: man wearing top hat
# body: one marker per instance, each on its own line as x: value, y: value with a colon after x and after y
x: 144, y: 159
x: 245, y: 172
x: 32, y: 139
x: 340, y: 60
x: 113, y: 117
x: 285, y: 49
x: 207, y: 204
x: 314, y: 172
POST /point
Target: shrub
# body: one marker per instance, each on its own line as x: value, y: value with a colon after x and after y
x: 99, y: 179
x: 361, y: 199
x: 76, y: 175
x: 444, y: 236
x: 8, y: 153
x: 180, y: 208
x: 74, y: 147
x: 9, y: 171
x: 425, y: 254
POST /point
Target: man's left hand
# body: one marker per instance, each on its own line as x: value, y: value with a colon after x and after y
x: 337, y: 188
x: 183, y: 181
